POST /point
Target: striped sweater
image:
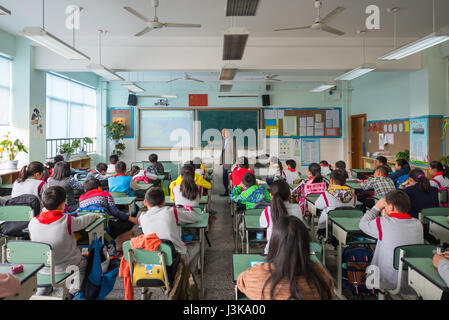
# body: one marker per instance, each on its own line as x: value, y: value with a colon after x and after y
x: 101, y: 199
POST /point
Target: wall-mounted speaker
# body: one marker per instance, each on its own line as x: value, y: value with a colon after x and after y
x: 266, y: 100
x: 268, y: 87
x: 132, y: 100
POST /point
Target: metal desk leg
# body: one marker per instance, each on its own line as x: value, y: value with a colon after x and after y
x: 202, y: 260
x: 247, y: 242
x: 339, y: 270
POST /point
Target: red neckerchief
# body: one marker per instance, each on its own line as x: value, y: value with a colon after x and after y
x: 400, y: 215
x: 119, y: 174
x: 93, y: 193
x: 383, y: 176
x: 323, y: 165
x: 439, y: 173
x: 47, y: 217
x: 291, y: 169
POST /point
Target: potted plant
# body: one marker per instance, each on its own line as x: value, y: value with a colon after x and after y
x: 404, y: 155
x: 83, y: 143
x: 445, y: 160
x: 68, y: 149
x: 116, y: 131
x: 13, y: 148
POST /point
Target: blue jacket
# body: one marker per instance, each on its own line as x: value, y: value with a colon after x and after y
x: 400, y: 176
x: 121, y: 183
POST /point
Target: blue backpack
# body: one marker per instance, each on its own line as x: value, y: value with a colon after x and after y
x: 355, y: 260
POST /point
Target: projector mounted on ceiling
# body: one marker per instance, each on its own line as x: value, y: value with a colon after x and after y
x: 162, y: 102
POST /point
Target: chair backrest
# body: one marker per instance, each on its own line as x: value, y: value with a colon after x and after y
x: 29, y: 200
x: 16, y: 213
x: 439, y: 211
x: 20, y: 251
x: 345, y: 213
x: 148, y: 257
x: 118, y: 194
x: 443, y: 197
x: 254, y: 211
x: 413, y: 251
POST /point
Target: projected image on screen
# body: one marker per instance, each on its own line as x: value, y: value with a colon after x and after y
x: 166, y: 128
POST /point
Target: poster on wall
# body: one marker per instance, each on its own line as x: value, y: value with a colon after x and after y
x: 418, y: 141
x: 310, y: 151
x: 125, y: 116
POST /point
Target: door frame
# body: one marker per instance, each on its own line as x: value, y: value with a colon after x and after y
x: 364, y: 117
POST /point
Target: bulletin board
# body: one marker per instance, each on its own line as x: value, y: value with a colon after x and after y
x: 401, y: 137
x: 303, y: 122
x: 125, y: 116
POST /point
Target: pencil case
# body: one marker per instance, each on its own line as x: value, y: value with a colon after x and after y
x: 18, y: 268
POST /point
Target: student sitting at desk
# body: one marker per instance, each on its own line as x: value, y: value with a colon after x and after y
x: 140, y: 175
x: 325, y: 168
x: 280, y: 206
x: 120, y: 223
x: 315, y: 182
x: 166, y: 223
x: 291, y: 175
x: 199, y: 167
x: 275, y: 170
x: 61, y: 177
x: 120, y: 182
x: 342, y: 166
x: 440, y: 175
x: 199, y: 180
x: 9, y: 285
x: 155, y: 167
x: 400, y: 175
x: 289, y: 272
x: 57, y: 229
x: 242, y: 168
x: 441, y: 262
x: 422, y: 195
x: 336, y: 196
x: 382, y: 161
x: 113, y: 159
x: 187, y: 193
x: 250, y: 194
x: 380, y: 182
x: 99, y: 172
x: 29, y: 181
x: 390, y: 223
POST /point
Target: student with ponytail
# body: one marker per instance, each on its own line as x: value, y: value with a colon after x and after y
x: 280, y: 206
x: 187, y: 193
x: 288, y: 272
x: 422, y: 195
x: 440, y: 175
x: 29, y: 181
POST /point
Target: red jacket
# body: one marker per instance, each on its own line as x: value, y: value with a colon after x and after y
x: 237, y: 175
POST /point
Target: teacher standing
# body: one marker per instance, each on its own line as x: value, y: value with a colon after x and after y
x: 228, y: 157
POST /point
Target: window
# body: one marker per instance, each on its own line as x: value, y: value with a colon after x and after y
x: 5, y: 90
x: 71, y: 108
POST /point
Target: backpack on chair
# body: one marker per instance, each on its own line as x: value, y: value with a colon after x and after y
x: 13, y: 228
x: 355, y: 260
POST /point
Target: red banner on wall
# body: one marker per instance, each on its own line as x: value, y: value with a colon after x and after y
x: 197, y: 100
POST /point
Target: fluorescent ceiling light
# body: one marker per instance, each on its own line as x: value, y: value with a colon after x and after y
x: 104, y: 72
x: 414, y: 47
x: 234, y: 43
x: 49, y: 41
x: 241, y: 7
x: 4, y: 11
x: 228, y: 73
x: 355, y: 73
x: 322, y: 87
x: 132, y: 87
x: 158, y: 96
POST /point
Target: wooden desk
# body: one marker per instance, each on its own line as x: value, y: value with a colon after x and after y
x: 126, y: 201
x: 439, y: 228
x: 28, y: 279
x: 423, y: 277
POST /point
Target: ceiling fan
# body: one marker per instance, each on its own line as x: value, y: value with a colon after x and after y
x: 155, y: 24
x: 268, y: 78
x: 321, y: 23
x: 186, y: 77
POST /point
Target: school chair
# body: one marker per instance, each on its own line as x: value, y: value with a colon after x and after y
x: 20, y: 251
x: 239, y: 227
x: 140, y: 260
x: 118, y: 194
x: 19, y: 214
x: 407, y: 251
x: 439, y: 211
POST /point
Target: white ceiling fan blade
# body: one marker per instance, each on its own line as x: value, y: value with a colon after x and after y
x: 173, y: 80
x: 197, y: 80
x: 296, y: 28
x: 135, y: 13
x: 272, y: 79
x: 334, y: 12
x: 332, y: 30
x: 182, y: 25
x: 147, y: 29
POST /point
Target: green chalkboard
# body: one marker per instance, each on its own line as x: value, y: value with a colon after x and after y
x: 244, y: 124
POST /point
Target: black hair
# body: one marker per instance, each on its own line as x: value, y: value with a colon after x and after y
x: 91, y: 184
x: 383, y: 170
x: 280, y: 191
x: 134, y: 170
x: 289, y: 258
x: 152, y: 158
x: 243, y: 162
x: 189, y: 189
x: 155, y: 196
x: 58, y: 158
x: 113, y: 158
x: 53, y: 197
x: 402, y: 162
x: 49, y: 165
x: 440, y: 167
x: 324, y: 162
x: 61, y: 171
x: 340, y: 165
x: 291, y: 163
x: 101, y: 167
x: 339, y: 177
x: 29, y: 170
x: 382, y: 160
x: 418, y: 176
x: 249, y: 179
x: 120, y: 167
x: 315, y: 170
x: 400, y: 200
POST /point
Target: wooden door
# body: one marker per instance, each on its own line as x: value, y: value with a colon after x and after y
x: 357, y: 142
